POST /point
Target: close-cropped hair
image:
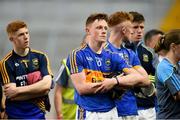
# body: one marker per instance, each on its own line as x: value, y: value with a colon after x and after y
x: 137, y: 17
x: 14, y: 26
x: 152, y: 33
x: 165, y: 42
x: 119, y: 17
x: 98, y: 16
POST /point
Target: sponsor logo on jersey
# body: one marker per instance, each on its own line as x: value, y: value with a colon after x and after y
x: 16, y: 64
x: 89, y: 58
x: 21, y: 77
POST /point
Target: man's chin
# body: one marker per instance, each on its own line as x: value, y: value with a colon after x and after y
x: 26, y: 47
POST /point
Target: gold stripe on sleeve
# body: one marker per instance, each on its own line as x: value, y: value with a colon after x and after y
x: 5, y: 75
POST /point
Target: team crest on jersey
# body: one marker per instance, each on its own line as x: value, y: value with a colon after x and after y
x: 126, y: 57
x: 35, y: 63
x: 108, y: 64
x: 145, y: 58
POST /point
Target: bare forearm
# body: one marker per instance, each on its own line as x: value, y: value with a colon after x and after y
x: 145, y: 81
x: 88, y: 88
x: 133, y: 80
x: 58, y: 100
x: 83, y: 87
x: 21, y: 97
x: 36, y: 88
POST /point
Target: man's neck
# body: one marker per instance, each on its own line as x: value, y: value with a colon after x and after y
x: 22, y: 52
x: 96, y: 46
x: 116, y: 39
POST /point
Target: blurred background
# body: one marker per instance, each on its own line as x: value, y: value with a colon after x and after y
x: 57, y: 26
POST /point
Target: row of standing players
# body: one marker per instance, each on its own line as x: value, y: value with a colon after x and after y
x: 143, y: 106
x: 26, y: 73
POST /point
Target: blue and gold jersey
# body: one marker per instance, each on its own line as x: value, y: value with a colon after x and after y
x: 15, y: 69
x: 96, y: 68
x: 127, y: 104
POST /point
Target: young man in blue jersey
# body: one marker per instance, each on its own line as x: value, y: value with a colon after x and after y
x: 146, y: 104
x: 91, y: 70
x: 121, y: 29
x: 26, y: 76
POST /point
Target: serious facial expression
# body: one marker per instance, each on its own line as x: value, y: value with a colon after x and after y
x: 138, y: 31
x: 98, y: 30
x: 20, y: 38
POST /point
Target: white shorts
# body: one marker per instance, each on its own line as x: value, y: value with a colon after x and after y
x: 132, y: 117
x: 88, y: 115
x: 147, y: 114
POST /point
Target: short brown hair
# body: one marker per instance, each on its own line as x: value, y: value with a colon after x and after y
x: 14, y: 26
x: 137, y: 17
x: 99, y: 16
x: 119, y: 17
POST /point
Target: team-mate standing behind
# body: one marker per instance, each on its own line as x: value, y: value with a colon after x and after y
x: 168, y: 76
x: 151, y: 38
x: 120, y: 29
x: 90, y: 64
x: 26, y: 75
x: 146, y: 104
x: 64, y: 92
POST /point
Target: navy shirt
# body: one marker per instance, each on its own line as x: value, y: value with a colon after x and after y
x: 146, y: 58
x: 168, y: 85
x: 15, y: 69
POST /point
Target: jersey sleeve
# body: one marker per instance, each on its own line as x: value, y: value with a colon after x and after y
x: 0, y: 78
x: 45, y: 66
x: 173, y: 84
x: 75, y: 62
x: 120, y: 62
x: 169, y: 77
x: 135, y: 61
x: 7, y: 73
x: 62, y: 77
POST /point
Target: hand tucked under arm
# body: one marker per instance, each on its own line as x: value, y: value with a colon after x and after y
x: 107, y: 84
x: 10, y: 90
x: 83, y: 87
x: 39, y: 88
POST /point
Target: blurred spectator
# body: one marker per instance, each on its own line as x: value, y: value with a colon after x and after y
x: 168, y: 76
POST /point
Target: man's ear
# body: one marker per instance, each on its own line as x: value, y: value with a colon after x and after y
x: 123, y: 30
x: 11, y: 39
x: 173, y: 46
x: 87, y: 31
